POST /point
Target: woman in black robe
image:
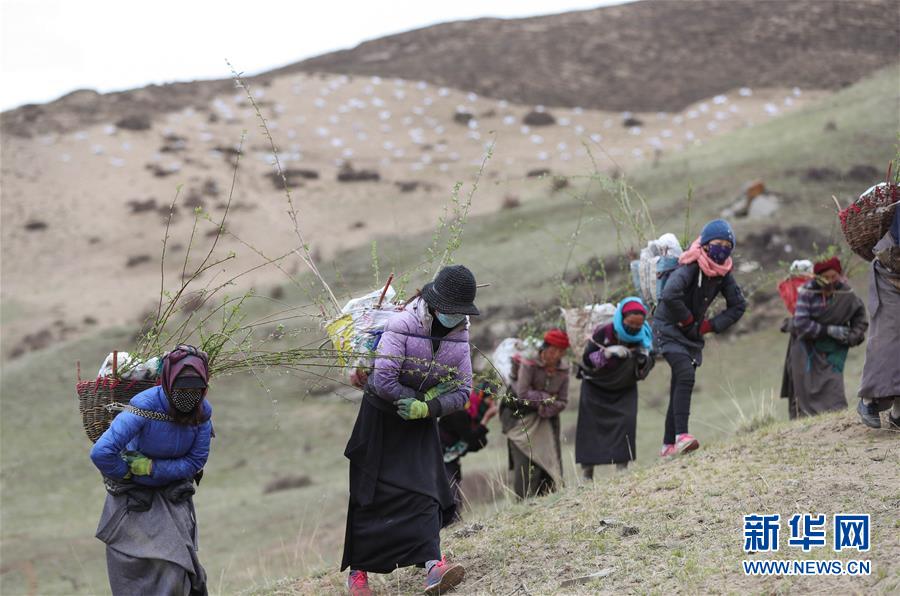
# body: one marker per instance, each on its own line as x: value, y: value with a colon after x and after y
x: 617, y: 356
x: 400, y: 496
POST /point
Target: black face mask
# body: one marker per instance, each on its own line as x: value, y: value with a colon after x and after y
x: 632, y: 330
x: 185, y: 400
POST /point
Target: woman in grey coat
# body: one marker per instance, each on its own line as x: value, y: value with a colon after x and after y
x: 880, y: 386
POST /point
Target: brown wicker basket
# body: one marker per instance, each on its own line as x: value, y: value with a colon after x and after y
x: 98, y: 401
x: 868, y: 219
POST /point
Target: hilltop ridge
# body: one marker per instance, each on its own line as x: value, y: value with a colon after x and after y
x: 650, y: 55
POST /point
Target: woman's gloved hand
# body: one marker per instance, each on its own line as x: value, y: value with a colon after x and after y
x: 839, y: 333
x: 616, y: 352
x: 138, y: 463
x: 439, y: 389
x: 411, y: 409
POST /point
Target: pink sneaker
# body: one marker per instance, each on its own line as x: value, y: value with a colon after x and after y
x: 358, y: 583
x: 667, y: 451
x: 685, y: 443
x: 443, y: 577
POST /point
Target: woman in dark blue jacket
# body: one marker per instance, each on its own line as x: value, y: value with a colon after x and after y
x: 149, y: 457
x: 679, y: 323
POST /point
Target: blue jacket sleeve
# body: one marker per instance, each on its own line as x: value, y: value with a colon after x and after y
x: 106, y: 453
x: 180, y: 468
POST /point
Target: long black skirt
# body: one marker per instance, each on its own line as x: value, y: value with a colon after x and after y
x: 400, y: 496
x: 607, y: 425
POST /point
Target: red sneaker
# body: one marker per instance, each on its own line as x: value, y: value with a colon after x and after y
x: 685, y: 443
x: 443, y: 577
x: 667, y: 451
x: 358, y: 583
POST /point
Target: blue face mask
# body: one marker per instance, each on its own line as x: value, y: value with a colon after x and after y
x: 718, y: 253
x: 449, y: 321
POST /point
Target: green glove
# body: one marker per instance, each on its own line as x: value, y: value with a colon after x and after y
x: 440, y: 389
x: 411, y: 409
x: 138, y: 463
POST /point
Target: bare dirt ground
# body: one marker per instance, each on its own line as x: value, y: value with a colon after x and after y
x: 83, y: 213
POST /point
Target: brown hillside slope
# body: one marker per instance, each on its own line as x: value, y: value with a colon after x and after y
x: 644, y: 56
x: 677, y: 527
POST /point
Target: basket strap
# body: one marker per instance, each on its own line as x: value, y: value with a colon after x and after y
x: 149, y: 414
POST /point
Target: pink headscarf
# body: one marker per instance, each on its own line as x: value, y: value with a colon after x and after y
x: 709, y: 267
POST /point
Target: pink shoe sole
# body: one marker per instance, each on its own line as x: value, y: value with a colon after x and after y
x: 687, y: 447
x: 452, y: 577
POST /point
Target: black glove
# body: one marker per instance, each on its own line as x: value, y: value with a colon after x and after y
x: 478, y: 438
x: 692, y: 332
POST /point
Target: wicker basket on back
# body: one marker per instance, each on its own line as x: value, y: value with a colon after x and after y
x: 868, y: 219
x: 100, y: 400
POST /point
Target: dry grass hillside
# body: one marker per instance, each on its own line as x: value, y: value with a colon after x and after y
x: 677, y: 527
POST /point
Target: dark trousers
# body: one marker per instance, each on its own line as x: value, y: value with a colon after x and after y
x: 454, y: 475
x: 529, y: 479
x: 682, y: 386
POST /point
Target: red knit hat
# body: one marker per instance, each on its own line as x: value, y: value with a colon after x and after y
x: 634, y: 306
x: 557, y: 338
x: 833, y: 263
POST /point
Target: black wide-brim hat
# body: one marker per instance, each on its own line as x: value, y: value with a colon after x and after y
x: 452, y: 292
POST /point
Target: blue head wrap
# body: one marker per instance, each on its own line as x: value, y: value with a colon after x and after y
x: 643, y: 337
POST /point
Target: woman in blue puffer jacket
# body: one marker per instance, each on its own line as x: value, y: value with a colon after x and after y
x: 149, y: 457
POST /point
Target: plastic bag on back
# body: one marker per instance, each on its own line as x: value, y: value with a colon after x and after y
x: 649, y: 273
x: 356, y: 332
x: 581, y: 322
x: 509, y: 354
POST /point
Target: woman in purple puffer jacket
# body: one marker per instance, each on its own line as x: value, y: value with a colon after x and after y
x: 400, y: 497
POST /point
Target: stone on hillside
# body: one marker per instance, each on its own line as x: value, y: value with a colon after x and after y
x: 510, y: 202
x: 294, y: 176
x: 864, y: 173
x: 135, y: 122
x: 35, y: 226
x: 139, y: 206
x: 348, y: 174
x: 535, y: 118
x: 173, y: 144
x: 538, y: 172
x: 287, y: 483
x: 462, y: 118
x: 136, y: 260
